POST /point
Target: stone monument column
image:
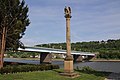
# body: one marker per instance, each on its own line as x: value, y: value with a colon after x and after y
x: 68, y: 62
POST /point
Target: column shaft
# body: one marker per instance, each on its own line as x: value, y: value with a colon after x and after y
x: 68, y: 36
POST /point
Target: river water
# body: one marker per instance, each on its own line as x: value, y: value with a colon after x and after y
x: 99, y: 66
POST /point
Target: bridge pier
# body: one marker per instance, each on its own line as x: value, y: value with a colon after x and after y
x: 88, y: 58
x: 78, y: 58
x: 45, y: 58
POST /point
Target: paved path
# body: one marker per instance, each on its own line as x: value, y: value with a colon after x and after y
x: 113, y: 76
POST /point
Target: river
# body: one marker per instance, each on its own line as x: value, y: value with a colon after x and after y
x: 99, y: 66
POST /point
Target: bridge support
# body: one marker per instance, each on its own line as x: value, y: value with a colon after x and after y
x: 45, y: 58
x: 88, y: 58
x: 78, y: 58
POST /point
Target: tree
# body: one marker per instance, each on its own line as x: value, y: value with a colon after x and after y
x: 13, y: 22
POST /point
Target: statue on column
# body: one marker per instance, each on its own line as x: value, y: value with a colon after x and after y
x: 67, y: 11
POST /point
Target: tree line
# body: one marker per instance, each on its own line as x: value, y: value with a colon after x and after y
x: 109, y: 49
x: 21, y: 54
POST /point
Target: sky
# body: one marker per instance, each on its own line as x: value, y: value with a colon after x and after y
x: 92, y: 20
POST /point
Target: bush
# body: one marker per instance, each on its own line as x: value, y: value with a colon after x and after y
x: 86, y: 69
x: 109, y: 54
x: 27, y: 68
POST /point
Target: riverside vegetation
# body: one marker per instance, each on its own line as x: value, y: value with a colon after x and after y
x: 15, y: 68
x: 86, y: 73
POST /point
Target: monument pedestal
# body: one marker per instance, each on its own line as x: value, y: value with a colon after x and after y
x: 68, y: 68
x: 68, y: 64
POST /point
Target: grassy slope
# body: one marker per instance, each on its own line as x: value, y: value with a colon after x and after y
x: 47, y: 75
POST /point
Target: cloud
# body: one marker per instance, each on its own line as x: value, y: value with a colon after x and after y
x: 99, y: 20
x: 91, y: 20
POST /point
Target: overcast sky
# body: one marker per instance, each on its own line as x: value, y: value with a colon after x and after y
x: 91, y: 20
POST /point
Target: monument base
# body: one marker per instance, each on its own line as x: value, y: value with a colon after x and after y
x: 68, y: 64
x: 70, y: 75
x: 68, y: 68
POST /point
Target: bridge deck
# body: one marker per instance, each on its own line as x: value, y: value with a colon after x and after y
x: 51, y: 50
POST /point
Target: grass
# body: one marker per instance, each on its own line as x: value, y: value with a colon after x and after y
x: 49, y: 75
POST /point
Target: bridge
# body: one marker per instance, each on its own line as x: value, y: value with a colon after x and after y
x: 46, y: 53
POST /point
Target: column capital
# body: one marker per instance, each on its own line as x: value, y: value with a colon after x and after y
x: 69, y: 58
x: 68, y: 16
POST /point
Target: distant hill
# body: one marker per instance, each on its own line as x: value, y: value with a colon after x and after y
x: 107, y: 49
x: 87, y: 46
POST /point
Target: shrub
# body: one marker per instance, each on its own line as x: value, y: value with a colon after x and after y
x: 27, y: 68
x: 87, y: 69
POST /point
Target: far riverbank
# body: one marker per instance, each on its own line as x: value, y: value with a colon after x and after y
x: 93, y: 60
x: 35, y: 59
x: 105, y: 60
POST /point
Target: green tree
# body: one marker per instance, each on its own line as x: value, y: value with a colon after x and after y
x: 13, y: 16
x: 13, y: 22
